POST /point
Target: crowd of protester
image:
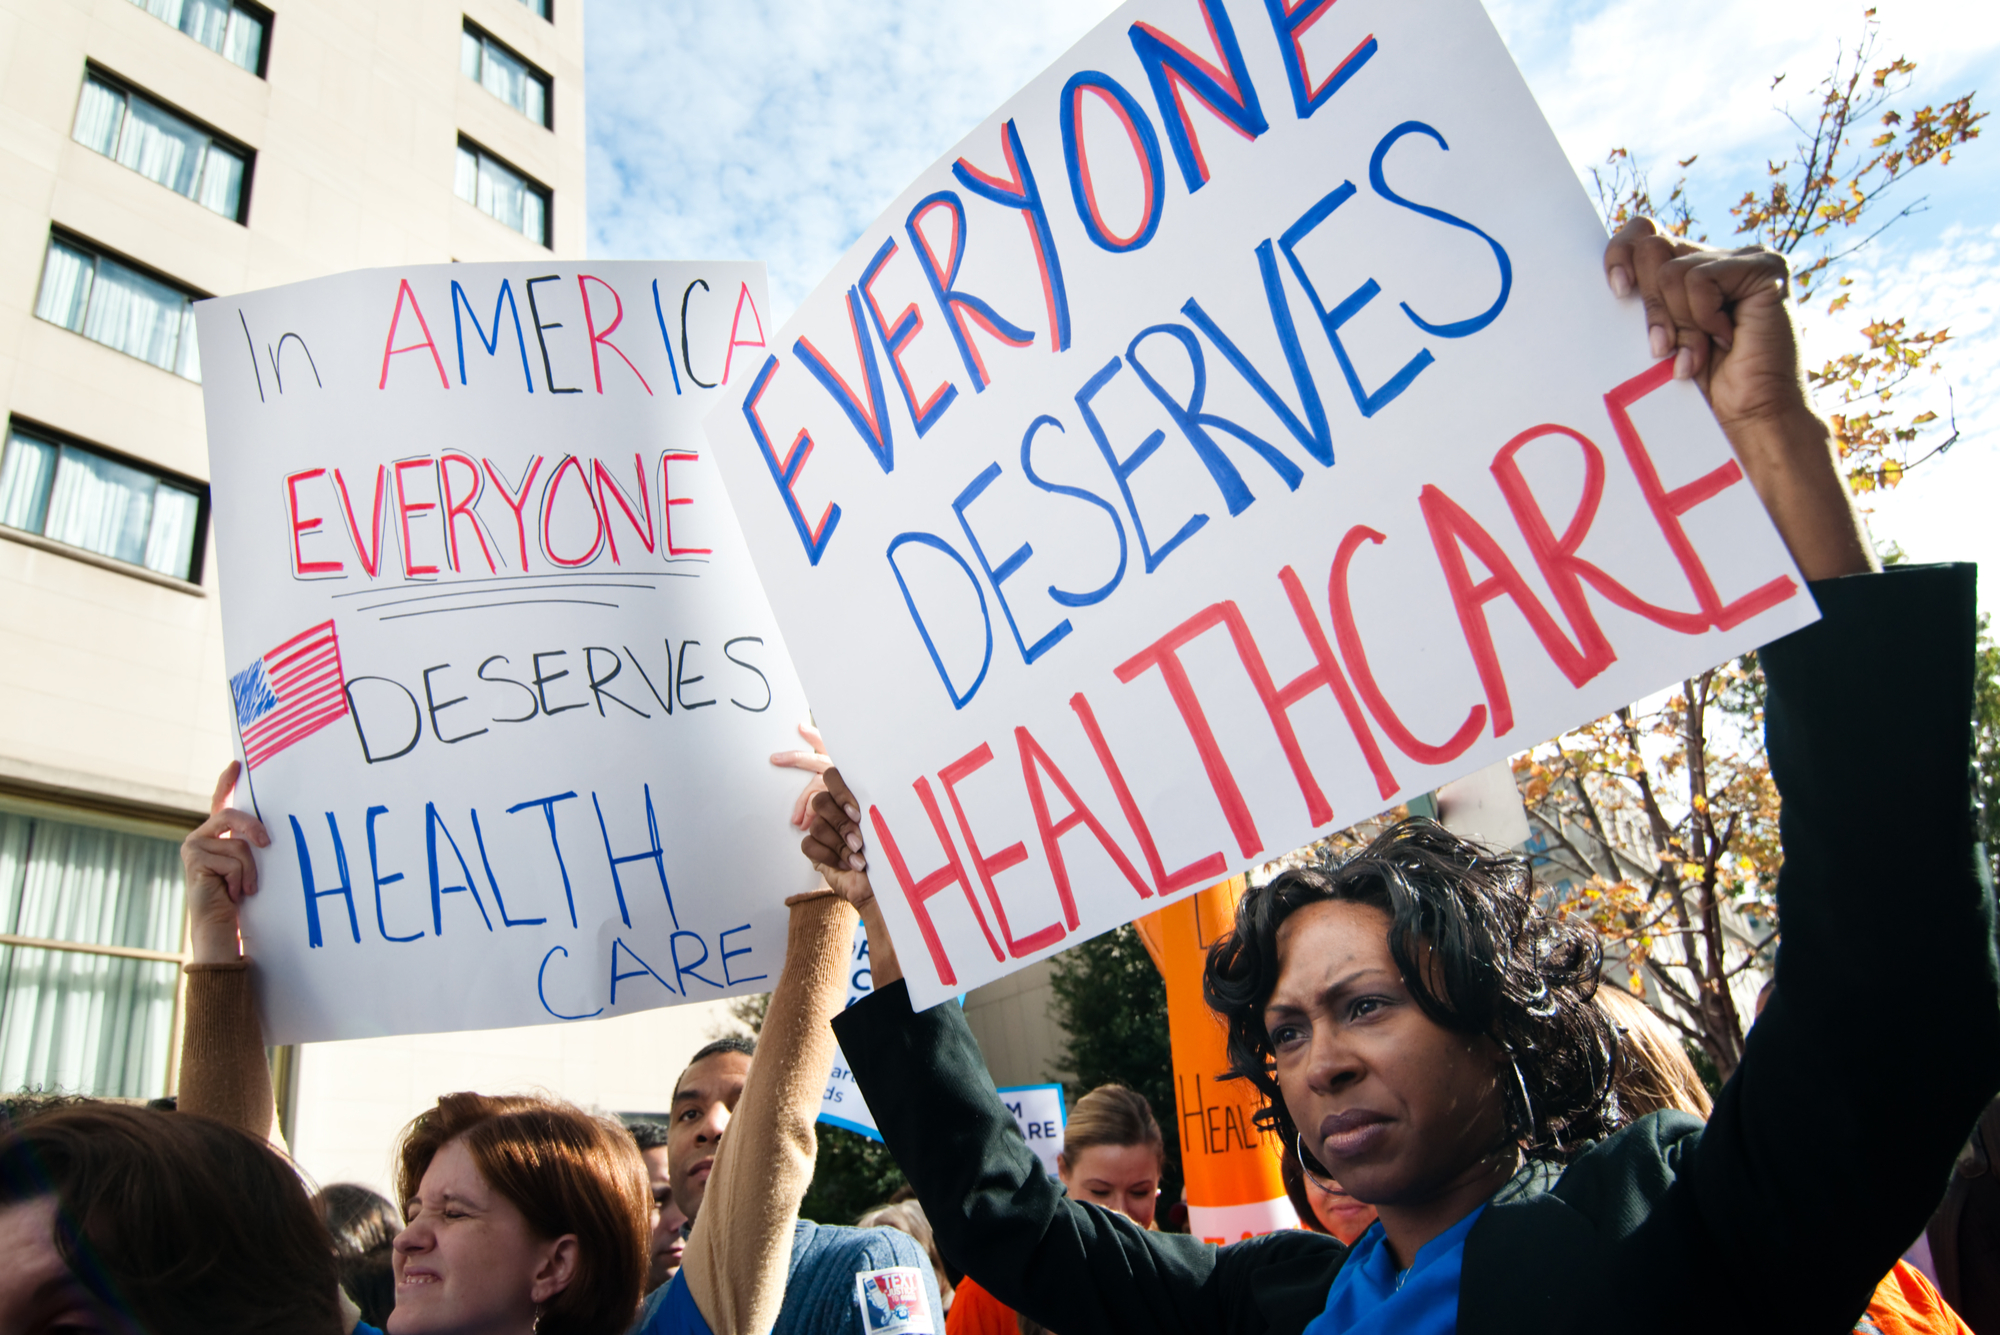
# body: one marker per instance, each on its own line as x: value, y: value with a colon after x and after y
x: 1472, y: 1129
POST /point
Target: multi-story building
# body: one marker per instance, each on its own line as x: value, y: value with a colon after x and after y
x: 154, y: 152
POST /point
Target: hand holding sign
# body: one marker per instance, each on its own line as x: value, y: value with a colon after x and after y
x: 1723, y: 316
x: 837, y: 848
x: 815, y: 762
x: 221, y: 871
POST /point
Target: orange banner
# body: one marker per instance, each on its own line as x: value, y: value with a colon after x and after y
x: 1233, y: 1185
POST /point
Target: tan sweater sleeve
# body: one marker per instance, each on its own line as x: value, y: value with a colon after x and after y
x: 739, y: 1251
x: 224, y: 1073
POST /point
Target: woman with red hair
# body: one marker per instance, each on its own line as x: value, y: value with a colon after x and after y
x: 523, y: 1213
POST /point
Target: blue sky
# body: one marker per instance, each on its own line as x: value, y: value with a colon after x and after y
x: 753, y: 130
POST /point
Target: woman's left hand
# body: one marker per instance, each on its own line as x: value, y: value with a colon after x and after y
x: 1725, y: 319
x: 1722, y: 315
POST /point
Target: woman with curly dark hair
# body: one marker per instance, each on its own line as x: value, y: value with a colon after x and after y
x: 1425, y: 1035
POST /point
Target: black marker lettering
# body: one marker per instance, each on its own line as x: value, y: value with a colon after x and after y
x: 751, y: 667
x: 430, y: 699
x: 548, y: 376
x: 640, y: 668
x: 354, y: 712
x: 517, y: 685
x: 541, y: 682
x: 701, y: 283
x: 597, y: 683
x: 681, y: 679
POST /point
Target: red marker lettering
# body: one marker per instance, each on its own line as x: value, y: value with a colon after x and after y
x: 405, y: 508
x: 669, y: 501
x: 1364, y: 679
x: 301, y: 527
x: 917, y: 893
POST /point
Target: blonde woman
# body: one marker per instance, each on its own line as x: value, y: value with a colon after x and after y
x: 1112, y: 1156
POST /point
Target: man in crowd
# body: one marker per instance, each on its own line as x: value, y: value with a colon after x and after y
x: 833, y: 1271
x: 666, y: 1244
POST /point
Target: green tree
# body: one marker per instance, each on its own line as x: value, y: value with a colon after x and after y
x: 852, y: 1174
x: 1112, y: 1006
x: 1659, y: 825
x: 1986, y: 745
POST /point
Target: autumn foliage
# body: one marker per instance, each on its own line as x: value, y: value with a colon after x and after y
x: 1659, y: 823
x: 1821, y: 205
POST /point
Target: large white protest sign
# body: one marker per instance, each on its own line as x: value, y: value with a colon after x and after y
x: 1233, y: 434
x: 502, y: 673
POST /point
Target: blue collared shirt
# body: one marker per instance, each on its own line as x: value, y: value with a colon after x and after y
x: 1371, y: 1297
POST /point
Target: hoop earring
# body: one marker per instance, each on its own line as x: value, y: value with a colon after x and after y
x: 1528, y: 1104
x: 1325, y: 1184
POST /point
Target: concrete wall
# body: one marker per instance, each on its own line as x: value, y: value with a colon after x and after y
x: 352, y: 1098
x: 1014, y: 1020
x: 112, y: 681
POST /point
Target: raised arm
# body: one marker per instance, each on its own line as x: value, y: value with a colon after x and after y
x: 224, y: 1073
x: 1725, y: 318
x: 739, y: 1252
x: 1882, y: 1040
x: 996, y: 1213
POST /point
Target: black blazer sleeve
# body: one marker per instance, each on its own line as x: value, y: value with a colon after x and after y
x: 1073, y: 1267
x: 1831, y: 1145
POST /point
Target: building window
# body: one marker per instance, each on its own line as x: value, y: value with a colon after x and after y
x: 541, y: 7
x: 89, y: 957
x: 117, y: 305
x: 499, y: 191
x: 236, y: 32
x: 87, y: 499
x: 136, y: 132
x: 504, y: 74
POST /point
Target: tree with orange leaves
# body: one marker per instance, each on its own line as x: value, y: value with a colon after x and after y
x: 1821, y: 205
x: 1659, y: 823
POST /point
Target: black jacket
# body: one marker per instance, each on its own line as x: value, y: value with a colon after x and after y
x: 1827, y: 1151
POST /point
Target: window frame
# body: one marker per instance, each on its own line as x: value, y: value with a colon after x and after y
x: 32, y: 804
x: 270, y: 21
x: 258, y: 13
x: 111, y: 78
x: 535, y: 72
x: 198, y: 549
x: 473, y: 146
x: 70, y: 237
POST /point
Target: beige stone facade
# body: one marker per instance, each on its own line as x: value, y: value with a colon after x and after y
x: 114, y: 712
x: 112, y: 684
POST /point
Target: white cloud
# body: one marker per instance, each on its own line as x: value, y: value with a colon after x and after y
x: 1669, y: 78
x: 1944, y: 511
x: 777, y: 132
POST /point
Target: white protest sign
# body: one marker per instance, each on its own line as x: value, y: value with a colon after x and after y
x: 503, y: 674
x: 1233, y: 435
x: 1038, y: 1111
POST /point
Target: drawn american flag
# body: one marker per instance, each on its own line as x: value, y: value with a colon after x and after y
x: 289, y: 694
